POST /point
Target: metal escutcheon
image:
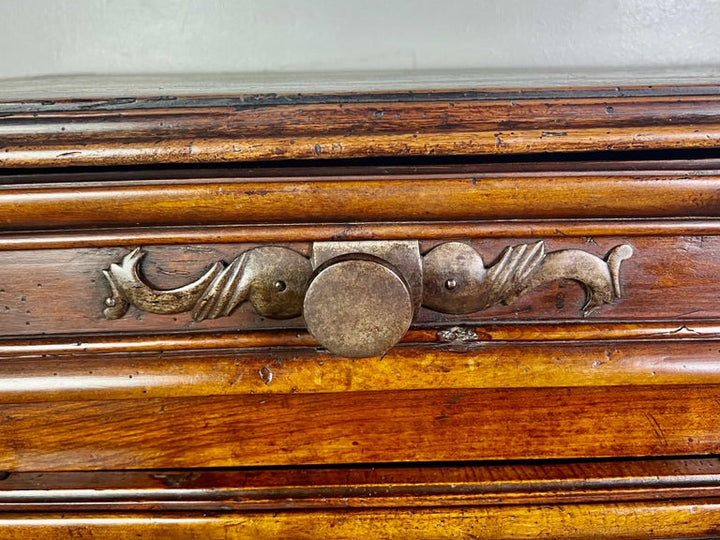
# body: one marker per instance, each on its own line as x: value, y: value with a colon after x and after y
x: 359, y: 298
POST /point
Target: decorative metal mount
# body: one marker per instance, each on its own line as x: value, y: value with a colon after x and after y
x: 272, y: 278
x: 359, y: 298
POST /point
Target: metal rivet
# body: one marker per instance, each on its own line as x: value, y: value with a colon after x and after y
x: 280, y: 286
x: 450, y: 284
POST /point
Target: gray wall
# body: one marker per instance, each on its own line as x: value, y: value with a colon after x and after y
x: 41, y: 37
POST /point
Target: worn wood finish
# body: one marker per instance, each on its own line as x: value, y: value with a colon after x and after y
x: 457, y: 364
x: 648, y: 164
x: 455, y: 336
x: 138, y: 132
x: 361, y: 427
x: 62, y: 291
x: 611, y: 499
x: 241, y: 427
x: 349, y: 200
x: 451, y: 485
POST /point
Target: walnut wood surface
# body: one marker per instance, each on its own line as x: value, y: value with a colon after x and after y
x: 668, y: 519
x: 458, y: 337
x: 361, y: 427
x: 616, y: 499
x: 379, y: 486
x: 252, y: 128
x: 284, y: 233
x: 446, y: 198
x: 487, y: 394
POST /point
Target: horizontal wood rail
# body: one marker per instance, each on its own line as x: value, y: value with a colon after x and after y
x: 142, y: 131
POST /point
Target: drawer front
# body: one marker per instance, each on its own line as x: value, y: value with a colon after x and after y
x: 531, y: 373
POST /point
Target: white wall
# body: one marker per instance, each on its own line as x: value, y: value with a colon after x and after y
x: 41, y: 37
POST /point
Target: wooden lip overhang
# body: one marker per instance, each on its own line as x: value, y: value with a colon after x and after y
x: 269, y: 127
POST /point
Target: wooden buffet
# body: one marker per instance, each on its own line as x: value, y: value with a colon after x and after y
x: 442, y: 314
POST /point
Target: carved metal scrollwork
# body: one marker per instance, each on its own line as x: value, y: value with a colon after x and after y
x: 455, y: 280
x: 272, y: 278
x: 450, y: 278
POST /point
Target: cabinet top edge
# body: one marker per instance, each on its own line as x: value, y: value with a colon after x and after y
x: 136, y: 90
x: 263, y: 118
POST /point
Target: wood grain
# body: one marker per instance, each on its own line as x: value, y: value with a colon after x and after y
x: 450, y: 337
x: 361, y: 427
x: 133, y: 373
x: 669, y: 519
x: 379, y: 486
x: 288, y: 233
x: 599, y: 499
x: 252, y: 128
x: 463, y: 198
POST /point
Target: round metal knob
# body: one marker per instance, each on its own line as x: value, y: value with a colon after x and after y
x: 358, y: 306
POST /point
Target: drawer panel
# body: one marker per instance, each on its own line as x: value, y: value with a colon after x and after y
x: 361, y: 427
x: 62, y: 291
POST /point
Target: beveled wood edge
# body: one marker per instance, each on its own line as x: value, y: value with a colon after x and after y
x: 230, y: 234
x: 379, y: 486
x: 436, y: 334
x: 672, y: 519
x: 643, y: 498
x: 229, y: 150
x: 292, y: 88
x: 182, y: 131
x: 459, y: 198
x: 662, y: 163
x: 285, y: 363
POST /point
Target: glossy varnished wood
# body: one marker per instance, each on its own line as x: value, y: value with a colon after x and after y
x: 284, y: 233
x: 662, y: 519
x: 615, y: 499
x: 305, y: 488
x: 460, y: 338
x: 181, y: 368
x: 447, y: 198
x: 361, y: 427
x: 520, y: 421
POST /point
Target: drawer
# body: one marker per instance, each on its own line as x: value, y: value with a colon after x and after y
x: 532, y: 360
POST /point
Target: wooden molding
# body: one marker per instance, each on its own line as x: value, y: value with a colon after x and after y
x: 144, y: 131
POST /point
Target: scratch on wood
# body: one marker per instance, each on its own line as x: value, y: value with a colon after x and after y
x: 683, y: 330
x: 176, y: 480
x: 656, y: 428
